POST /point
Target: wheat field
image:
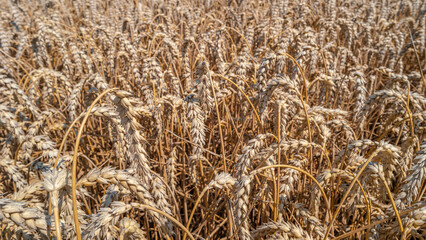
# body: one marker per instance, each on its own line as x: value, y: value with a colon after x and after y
x: 236, y: 119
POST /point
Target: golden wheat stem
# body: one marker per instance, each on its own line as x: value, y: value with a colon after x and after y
x: 277, y: 182
x: 245, y: 95
x: 401, y: 227
x: 254, y: 172
x: 242, y: 36
x: 180, y: 225
x: 348, y: 234
x: 305, y: 82
x: 222, y: 145
x: 74, y: 163
x: 15, y: 159
x: 57, y: 223
x: 348, y: 190
x: 193, y: 209
x: 367, y: 201
x: 64, y: 140
x: 309, y: 129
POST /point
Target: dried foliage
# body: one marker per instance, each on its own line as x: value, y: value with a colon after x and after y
x: 212, y: 119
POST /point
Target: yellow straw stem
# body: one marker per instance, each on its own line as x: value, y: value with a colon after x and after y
x: 57, y: 223
x: 254, y: 172
x: 401, y: 227
x: 348, y: 191
x: 195, y: 206
x: 180, y: 225
x: 74, y: 163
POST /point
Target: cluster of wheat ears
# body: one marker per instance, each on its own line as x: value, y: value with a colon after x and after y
x: 236, y: 119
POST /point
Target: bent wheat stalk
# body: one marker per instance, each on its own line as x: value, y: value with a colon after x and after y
x: 74, y: 162
x: 223, y: 180
x: 349, y: 189
x: 254, y: 172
